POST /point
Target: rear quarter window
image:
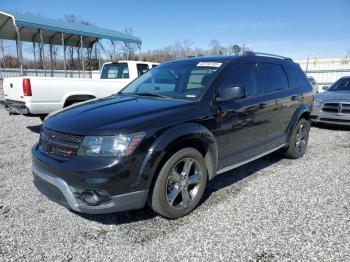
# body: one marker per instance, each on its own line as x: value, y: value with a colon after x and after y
x: 274, y: 77
x: 296, y: 76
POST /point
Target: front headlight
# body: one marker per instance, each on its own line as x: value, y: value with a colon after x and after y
x: 120, y: 145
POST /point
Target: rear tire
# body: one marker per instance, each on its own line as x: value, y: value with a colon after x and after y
x: 298, y: 140
x: 180, y: 184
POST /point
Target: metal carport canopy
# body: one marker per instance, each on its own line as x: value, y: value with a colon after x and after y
x: 28, y: 26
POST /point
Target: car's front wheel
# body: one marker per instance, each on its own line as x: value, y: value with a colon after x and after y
x: 180, y: 184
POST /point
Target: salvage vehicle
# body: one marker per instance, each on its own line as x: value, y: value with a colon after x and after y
x: 333, y: 105
x: 39, y: 96
x: 165, y: 135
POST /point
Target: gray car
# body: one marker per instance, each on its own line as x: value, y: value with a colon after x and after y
x: 333, y: 106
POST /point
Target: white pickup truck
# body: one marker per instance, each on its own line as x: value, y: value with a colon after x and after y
x: 39, y: 96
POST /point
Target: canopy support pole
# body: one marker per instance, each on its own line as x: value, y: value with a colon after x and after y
x: 2, y: 57
x: 64, y: 56
x: 41, y: 51
x: 127, y: 50
x: 51, y: 52
x: 51, y: 60
x: 99, y: 54
x: 139, y: 46
x: 19, y: 49
x: 82, y: 54
x: 34, y: 54
x: 113, y: 44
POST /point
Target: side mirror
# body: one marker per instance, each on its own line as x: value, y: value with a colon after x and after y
x: 325, y: 88
x: 231, y: 93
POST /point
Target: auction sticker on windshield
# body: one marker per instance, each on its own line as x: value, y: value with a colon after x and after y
x: 209, y: 64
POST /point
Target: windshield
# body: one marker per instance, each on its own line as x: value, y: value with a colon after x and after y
x: 341, y: 85
x: 115, y: 71
x: 180, y: 80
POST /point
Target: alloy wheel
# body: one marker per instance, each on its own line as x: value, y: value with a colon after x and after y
x: 300, y: 141
x: 183, y: 183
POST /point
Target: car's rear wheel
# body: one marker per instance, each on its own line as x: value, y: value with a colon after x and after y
x: 180, y: 184
x: 299, y: 140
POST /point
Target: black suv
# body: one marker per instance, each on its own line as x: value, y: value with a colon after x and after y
x: 161, y: 138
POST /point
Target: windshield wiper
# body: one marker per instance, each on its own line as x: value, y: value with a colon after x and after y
x: 151, y: 94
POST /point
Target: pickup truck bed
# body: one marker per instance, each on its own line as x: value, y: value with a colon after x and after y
x: 39, y: 96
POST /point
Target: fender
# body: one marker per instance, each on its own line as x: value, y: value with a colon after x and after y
x: 302, y: 109
x: 173, y: 137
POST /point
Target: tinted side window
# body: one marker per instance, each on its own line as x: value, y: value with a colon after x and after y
x: 245, y: 75
x: 153, y: 65
x: 141, y: 69
x: 296, y: 76
x: 274, y: 77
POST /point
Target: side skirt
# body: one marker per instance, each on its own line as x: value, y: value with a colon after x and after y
x: 225, y: 169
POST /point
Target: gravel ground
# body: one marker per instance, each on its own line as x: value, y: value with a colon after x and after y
x: 273, y: 209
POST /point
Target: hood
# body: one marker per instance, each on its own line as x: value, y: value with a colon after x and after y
x: 333, y: 95
x: 107, y: 116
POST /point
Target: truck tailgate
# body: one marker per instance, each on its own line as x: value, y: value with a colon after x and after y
x: 13, y: 88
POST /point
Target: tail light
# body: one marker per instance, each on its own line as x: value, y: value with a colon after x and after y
x: 27, y: 89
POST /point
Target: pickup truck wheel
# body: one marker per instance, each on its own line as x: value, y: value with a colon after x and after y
x: 298, y: 141
x: 180, y: 184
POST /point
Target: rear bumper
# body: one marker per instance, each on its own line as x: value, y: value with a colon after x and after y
x: 16, y: 107
x: 57, y: 190
x: 319, y: 116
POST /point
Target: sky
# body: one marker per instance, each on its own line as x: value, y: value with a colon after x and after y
x: 294, y: 28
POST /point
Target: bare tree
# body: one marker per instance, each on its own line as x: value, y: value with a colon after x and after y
x: 216, y: 48
x: 128, y: 50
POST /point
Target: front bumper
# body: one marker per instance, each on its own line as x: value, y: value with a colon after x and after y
x: 319, y: 116
x: 57, y: 190
x: 116, y: 183
x: 16, y: 107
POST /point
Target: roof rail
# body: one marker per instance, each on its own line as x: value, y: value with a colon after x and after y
x: 272, y: 55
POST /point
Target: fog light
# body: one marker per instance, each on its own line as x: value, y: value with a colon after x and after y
x: 90, y: 197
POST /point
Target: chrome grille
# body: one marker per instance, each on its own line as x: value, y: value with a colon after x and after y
x: 337, y: 108
x: 59, y: 144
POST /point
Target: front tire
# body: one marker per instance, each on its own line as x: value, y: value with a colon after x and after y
x: 180, y: 184
x: 299, y: 140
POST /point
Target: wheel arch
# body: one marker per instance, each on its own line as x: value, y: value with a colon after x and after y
x: 303, y: 111
x: 77, y: 98
x: 174, y: 139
